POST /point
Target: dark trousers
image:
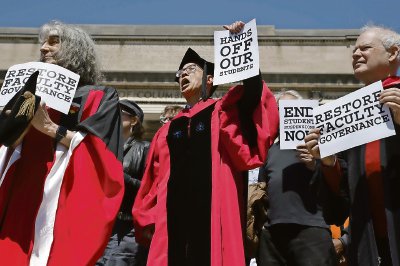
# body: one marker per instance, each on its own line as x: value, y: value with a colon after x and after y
x: 122, y: 249
x: 385, y: 258
x: 292, y: 244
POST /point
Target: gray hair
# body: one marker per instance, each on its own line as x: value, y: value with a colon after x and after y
x: 172, y: 109
x: 388, y: 36
x: 77, y: 51
x: 284, y: 92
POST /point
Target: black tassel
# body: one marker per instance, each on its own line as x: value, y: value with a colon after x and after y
x: 204, y: 83
x: 27, y: 108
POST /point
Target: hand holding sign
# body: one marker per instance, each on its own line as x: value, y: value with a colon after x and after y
x: 236, y: 53
x: 305, y: 156
x: 391, y: 98
x: 41, y: 121
x: 311, y: 144
x: 235, y: 27
x: 355, y: 119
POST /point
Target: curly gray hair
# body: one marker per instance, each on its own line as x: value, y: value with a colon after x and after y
x: 388, y: 36
x: 77, y: 52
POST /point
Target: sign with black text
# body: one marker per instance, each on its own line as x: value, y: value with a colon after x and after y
x: 295, y: 121
x: 56, y: 85
x: 353, y: 120
x: 236, y: 55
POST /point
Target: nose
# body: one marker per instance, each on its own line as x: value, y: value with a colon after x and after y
x: 183, y: 74
x: 44, y: 47
x: 356, y: 53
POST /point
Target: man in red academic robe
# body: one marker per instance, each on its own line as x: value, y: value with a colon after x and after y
x: 61, y: 181
x: 374, y: 168
x: 192, y: 197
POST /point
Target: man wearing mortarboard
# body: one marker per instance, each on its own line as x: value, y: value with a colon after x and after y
x: 191, y: 203
x: 61, y: 175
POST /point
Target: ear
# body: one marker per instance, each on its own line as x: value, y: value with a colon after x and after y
x: 394, y: 53
x: 210, y: 80
x: 134, y: 120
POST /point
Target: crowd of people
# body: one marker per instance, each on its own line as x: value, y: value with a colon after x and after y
x: 84, y: 188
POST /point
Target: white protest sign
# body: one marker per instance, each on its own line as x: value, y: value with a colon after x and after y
x: 295, y: 121
x: 353, y: 120
x: 236, y: 55
x: 56, y: 85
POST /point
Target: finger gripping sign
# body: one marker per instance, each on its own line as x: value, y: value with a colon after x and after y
x: 353, y: 120
x: 56, y: 85
x: 236, y: 55
x: 295, y: 121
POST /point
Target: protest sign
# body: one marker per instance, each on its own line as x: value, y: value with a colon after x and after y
x: 295, y: 121
x: 56, y: 85
x: 236, y: 56
x: 353, y: 120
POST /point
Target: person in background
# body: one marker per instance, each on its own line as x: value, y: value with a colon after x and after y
x: 296, y: 232
x: 191, y: 204
x: 169, y: 112
x: 122, y: 249
x: 62, y: 180
x: 374, y: 169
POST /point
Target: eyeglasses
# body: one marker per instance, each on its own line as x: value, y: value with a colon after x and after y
x: 189, y: 69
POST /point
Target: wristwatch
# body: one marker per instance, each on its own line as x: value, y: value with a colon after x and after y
x: 60, y: 133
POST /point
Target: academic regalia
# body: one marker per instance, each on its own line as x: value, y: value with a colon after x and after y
x: 193, y: 189
x: 355, y: 184
x: 362, y: 249
x: 58, y: 205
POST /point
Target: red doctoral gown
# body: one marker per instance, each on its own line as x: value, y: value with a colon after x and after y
x: 58, y: 205
x: 231, y: 155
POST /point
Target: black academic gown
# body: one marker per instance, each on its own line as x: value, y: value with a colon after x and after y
x: 362, y: 247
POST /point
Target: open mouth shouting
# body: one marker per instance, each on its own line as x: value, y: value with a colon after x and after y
x: 184, y: 83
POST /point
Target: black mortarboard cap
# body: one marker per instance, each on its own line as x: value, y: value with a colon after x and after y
x: 132, y: 108
x: 192, y: 57
x: 23, y: 107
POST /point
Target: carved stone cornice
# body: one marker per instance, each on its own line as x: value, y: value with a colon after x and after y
x: 137, y: 34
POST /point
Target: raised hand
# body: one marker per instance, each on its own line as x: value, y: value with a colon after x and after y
x: 311, y: 143
x: 391, y: 98
x: 42, y: 122
x: 305, y: 156
x: 235, y: 27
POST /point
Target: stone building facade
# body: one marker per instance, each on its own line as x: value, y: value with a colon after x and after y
x: 140, y: 61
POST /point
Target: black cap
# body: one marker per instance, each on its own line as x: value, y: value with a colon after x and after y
x: 132, y: 108
x: 23, y: 107
x: 192, y: 57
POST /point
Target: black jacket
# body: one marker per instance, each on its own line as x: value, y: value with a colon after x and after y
x: 135, y: 153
